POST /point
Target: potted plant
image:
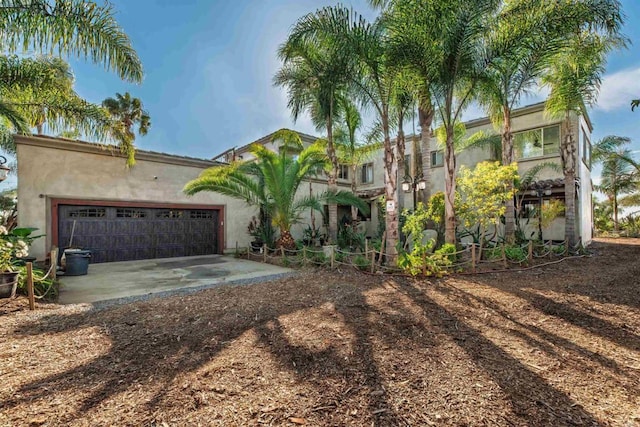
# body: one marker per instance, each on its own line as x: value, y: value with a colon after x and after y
x: 11, y: 247
x: 255, y: 230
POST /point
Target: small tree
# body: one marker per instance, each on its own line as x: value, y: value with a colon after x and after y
x: 484, y: 191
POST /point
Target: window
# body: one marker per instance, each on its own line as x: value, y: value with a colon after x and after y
x: 586, y: 149
x: 169, y: 214
x: 367, y: 173
x: 537, y: 142
x: 130, y: 213
x: 343, y: 172
x: 408, y: 170
x: 437, y: 158
x: 201, y: 214
x: 88, y: 213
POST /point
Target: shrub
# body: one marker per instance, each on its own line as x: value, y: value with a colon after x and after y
x: 419, y: 261
x: 515, y: 253
x: 448, y: 250
x: 361, y: 262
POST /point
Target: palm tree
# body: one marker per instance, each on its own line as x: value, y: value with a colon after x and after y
x: 315, y: 72
x: 574, y: 78
x: 618, y: 175
x: 454, y: 42
x: 127, y: 112
x: 39, y: 91
x: 271, y: 182
x: 523, y: 48
x: 79, y: 28
x: 349, y: 151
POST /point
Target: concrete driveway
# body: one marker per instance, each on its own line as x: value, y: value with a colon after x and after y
x: 133, y: 280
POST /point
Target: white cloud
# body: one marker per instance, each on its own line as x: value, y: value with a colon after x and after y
x: 618, y: 89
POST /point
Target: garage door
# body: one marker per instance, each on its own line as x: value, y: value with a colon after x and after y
x: 131, y: 233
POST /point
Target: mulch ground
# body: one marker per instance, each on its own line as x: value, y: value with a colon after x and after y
x: 553, y: 346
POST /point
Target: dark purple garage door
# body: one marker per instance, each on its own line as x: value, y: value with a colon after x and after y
x: 131, y: 233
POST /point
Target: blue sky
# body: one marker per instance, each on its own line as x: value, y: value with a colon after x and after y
x: 209, y: 66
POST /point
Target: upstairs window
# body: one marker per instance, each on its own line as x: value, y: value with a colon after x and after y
x: 586, y: 149
x: 437, y: 158
x: 367, y: 173
x: 343, y: 172
x: 537, y: 142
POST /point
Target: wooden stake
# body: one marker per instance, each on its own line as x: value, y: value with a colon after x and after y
x: 373, y: 261
x: 54, y: 263
x: 366, y: 246
x: 333, y: 255
x: 32, y: 301
x: 473, y: 257
x: 382, y: 245
x: 530, y: 256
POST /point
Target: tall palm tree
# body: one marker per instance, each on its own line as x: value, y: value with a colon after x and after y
x: 444, y: 43
x: 524, y: 48
x: 315, y: 72
x: 271, y: 182
x: 79, y: 28
x: 574, y: 79
x: 127, y: 113
x: 618, y: 176
x: 350, y: 152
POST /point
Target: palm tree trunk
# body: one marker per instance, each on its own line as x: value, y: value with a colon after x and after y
x: 507, y: 159
x: 615, y: 212
x: 449, y: 188
x: 390, y: 184
x: 425, y: 117
x: 400, y: 172
x: 354, y: 190
x: 568, y: 156
x: 332, y: 182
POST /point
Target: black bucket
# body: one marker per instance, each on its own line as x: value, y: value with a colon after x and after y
x: 77, y: 262
x: 8, y: 284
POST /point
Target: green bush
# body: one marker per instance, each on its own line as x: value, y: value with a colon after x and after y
x: 515, y: 253
x: 361, y: 262
x: 558, y: 250
x: 448, y: 250
x: 420, y: 261
x: 492, y: 253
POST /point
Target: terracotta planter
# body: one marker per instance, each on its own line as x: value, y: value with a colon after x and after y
x: 8, y: 284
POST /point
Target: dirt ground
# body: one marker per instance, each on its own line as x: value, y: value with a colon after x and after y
x: 554, y: 346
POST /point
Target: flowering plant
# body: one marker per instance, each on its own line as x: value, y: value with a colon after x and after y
x: 11, y: 247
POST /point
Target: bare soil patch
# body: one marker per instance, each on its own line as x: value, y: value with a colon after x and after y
x: 553, y: 346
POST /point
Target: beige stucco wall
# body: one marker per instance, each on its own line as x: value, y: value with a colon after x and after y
x: 45, y: 173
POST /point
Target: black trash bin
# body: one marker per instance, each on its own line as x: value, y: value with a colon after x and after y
x: 77, y: 262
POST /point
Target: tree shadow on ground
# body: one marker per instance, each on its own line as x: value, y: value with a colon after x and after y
x: 533, y: 399
x: 550, y: 343
x: 357, y: 371
x: 161, y: 343
x: 156, y: 342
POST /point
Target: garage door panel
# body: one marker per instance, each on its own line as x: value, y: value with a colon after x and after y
x: 122, y: 233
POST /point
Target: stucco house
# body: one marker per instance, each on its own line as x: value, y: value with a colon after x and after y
x: 81, y: 194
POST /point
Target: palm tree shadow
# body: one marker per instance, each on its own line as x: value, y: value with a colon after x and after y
x: 545, y: 341
x: 533, y: 400
x: 358, y: 371
x: 143, y: 346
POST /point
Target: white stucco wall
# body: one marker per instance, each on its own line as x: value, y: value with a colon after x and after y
x: 60, y: 170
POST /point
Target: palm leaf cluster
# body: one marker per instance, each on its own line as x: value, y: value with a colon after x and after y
x: 441, y: 56
x: 271, y: 182
x: 38, y: 91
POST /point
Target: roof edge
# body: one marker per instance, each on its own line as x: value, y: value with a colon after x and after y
x: 110, y: 150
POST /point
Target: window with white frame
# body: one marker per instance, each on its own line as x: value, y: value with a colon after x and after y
x: 366, y: 173
x: 537, y: 142
x: 586, y: 149
x: 343, y: 172
x: 437, y: 158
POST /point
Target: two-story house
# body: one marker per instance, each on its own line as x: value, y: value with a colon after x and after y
x: 81, y: 194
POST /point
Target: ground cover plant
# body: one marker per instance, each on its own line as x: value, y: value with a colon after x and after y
x: 556, y: 346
